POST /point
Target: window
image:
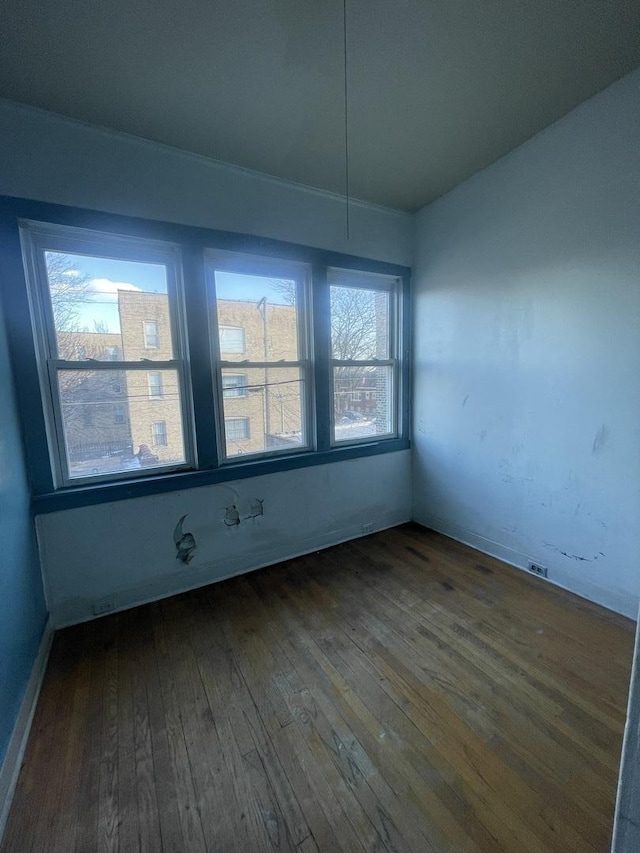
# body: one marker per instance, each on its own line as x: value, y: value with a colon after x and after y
x: 364, y: 359
x: 87, y: 292
x: 151, y: 336
x: 237, y: 429
x: 270, y: 359
x: 159, y: 433
x: 231, y: 339
x: 156, y: 386
x: 266, y: 301
x: 234, y: 385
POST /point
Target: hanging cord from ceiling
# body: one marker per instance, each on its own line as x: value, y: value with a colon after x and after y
x: 346, y: 115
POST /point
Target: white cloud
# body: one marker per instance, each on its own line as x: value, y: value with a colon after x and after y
x: 105, y: 290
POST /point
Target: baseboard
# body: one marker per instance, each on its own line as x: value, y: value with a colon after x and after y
x: 17, y: 745
x: 616, y: 600
x: 74, y: 611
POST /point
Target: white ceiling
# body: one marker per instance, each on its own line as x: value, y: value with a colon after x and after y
x: 438, y: 88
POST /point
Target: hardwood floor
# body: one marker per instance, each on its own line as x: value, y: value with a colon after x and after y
x: 397, y: 693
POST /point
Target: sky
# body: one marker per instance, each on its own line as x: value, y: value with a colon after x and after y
x: 250, y: 288
x: 108, y: 276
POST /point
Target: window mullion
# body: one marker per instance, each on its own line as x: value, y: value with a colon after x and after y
x: 376, y: 362
x: 260, y: 365
x: 322, y: 356
x: 199, y: 355
x: 62, y: 364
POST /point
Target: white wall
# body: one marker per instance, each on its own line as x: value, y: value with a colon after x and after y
x: 126, y: 549
x: 527, y: 353
x: 49, y: 158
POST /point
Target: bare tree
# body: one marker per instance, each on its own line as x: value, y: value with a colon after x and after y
x: 354, y: 320
x: 353, y: 324
x: 359, y: 324
x: 68, y: 290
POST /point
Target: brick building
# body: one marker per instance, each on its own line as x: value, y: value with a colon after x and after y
x: 110, y: 415
x: 153, y: 395
x: 262, y: 406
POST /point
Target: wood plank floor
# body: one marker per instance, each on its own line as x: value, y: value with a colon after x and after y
x: 397, y: 693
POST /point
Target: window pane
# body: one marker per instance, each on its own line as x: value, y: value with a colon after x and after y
x: 151, y: 334
x: 359, y: 323
x: 234, y: 384
x: 232, y: 340
x: 109, y: 421
x: 362, y: 402
x: 109, y: 310
x: 257, y: 317
x: 272, y: 404
x: 159, y: 433
x: 237, y: 429
x: 155, y: 385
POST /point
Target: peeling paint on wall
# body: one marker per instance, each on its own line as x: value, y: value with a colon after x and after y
x: 185, y: 543
x: 232, y: 517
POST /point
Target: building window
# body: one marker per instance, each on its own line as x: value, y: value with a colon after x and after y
x: 237, y: 429
x: 246, y: 373
x: 159, y: 433
x: 364, y: 356
x: 156, y: 386
x: 232, y: 340
x: 234, y: 385
x: 89, y: 290
x: 151, y: 336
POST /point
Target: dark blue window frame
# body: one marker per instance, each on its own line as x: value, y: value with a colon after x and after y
x: 193, y: 241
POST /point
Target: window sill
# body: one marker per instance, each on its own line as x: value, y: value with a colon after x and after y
x: 79, y: 496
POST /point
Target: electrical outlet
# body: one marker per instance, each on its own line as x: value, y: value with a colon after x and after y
x: 538, y: 570
x: 368, y: 527
x: 104, y: 605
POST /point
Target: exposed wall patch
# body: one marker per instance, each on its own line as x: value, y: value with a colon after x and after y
x: 231, y: 516
x: 256, y: 508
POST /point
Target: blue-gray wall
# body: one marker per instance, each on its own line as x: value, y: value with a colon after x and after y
x: 22, y: 608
